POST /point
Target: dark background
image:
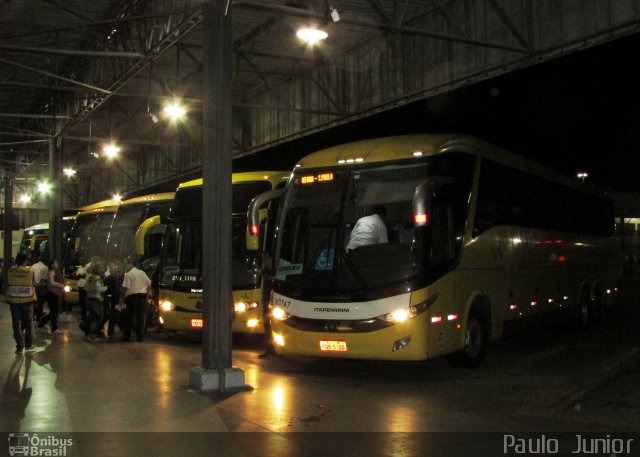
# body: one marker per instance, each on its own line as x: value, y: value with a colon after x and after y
x: 575, y: 113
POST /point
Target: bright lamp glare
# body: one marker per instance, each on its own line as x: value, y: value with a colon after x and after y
x: 111, y: 150
x: 311, y: 36
x: 117, y: 197
x: 25, y: 198
x: 44, y: 187
x: 69, y: 172
x: 400, y: 315
x: 175, y: 111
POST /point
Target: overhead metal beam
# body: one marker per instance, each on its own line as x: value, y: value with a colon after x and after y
x: 52, y: 75
x: 84, y: 26
x: 509, y: 23
x: 71, y: 52
x: 33, y: 116
x: 380, y: 26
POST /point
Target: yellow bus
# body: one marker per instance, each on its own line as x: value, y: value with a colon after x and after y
x: 34, y: 242
x: 180, y: 285
x: 480, y: 241
x: 130, y: 215
x: 88, y: 237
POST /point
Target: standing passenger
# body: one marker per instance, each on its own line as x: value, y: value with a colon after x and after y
x: 55, y: 295
x: 135, y: 290
x: 40, y: 272
x: 21, y: 296
x: 114, y: 291
x: 95, y: 288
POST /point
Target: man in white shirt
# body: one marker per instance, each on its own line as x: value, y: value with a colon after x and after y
x: 369, y: 230
x: 40, y: 273
x: 136, y: 286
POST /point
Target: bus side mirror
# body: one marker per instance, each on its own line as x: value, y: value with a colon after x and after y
x: 142, y: 232
x: 423, y: 198
x: 254, y: 214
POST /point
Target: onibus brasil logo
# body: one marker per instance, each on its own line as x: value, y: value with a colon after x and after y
x: 32, y: 444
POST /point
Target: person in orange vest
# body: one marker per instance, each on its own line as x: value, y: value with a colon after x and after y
x: 21, y: 296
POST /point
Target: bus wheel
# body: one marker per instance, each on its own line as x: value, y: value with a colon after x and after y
x: 591, y: 309
x: 476, y: 342
x: 585, y: 311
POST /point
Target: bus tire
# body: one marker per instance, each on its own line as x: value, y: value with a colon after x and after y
x: 591, y: 308
x: 476, y: 342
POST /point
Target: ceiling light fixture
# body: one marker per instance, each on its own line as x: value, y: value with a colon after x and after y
x: 311, y: 35
x: 111, y: 150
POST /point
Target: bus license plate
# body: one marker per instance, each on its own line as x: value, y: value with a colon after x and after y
x: 333, y: 346
x: 197, y: 323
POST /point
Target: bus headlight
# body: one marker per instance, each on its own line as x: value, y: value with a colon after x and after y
x: 166, y: 305
x: 67, y: 289
x: 401, y: 315
x: 278, y: 339
x: 279, y: 313
x: 404, y: 314
x: 241, y: 307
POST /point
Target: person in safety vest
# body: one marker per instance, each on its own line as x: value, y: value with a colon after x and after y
x: 21, y: 296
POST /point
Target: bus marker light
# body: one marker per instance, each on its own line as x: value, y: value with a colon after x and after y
x: 452, y: 317
x: 333, y: 346
x: 241, y: 306
x: 197, y: 323
x: 421, y: 219
x: 67, y: 289
x: 278, y: 339
x: 251, y: 323
x: 254, y: 230
x: 436, y: 319
x: 513, y: 307
x: 534, y: 303
x: 397, y: 345
x: 161, y: 320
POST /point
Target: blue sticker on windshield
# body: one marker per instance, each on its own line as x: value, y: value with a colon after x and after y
x: 325, y: 260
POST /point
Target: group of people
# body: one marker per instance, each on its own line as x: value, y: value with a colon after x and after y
x: 110, y: 295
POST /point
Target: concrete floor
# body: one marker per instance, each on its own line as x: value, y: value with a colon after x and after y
x: 533, y: 383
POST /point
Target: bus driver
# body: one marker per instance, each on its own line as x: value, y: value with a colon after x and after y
x: 369, y: 229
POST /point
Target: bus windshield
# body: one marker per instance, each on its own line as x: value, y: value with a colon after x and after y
x: 182, y: 244
x: 128, y: 218
x: 88, y: 238
x: 322, y: 207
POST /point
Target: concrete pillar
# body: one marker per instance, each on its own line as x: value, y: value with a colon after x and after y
x: 7, y: 226
x: 216, y: 372
x: 55, y: 199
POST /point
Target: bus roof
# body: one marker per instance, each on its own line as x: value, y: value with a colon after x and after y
x: 384, y: 149
x: 98, y: 205
x: 163, y: 196
x: 104, y: 209
x: 424, y: 145
x: 274, y: 176
x: 43, y: 226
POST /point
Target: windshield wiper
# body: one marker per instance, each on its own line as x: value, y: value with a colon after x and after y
x: 343, y: 254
